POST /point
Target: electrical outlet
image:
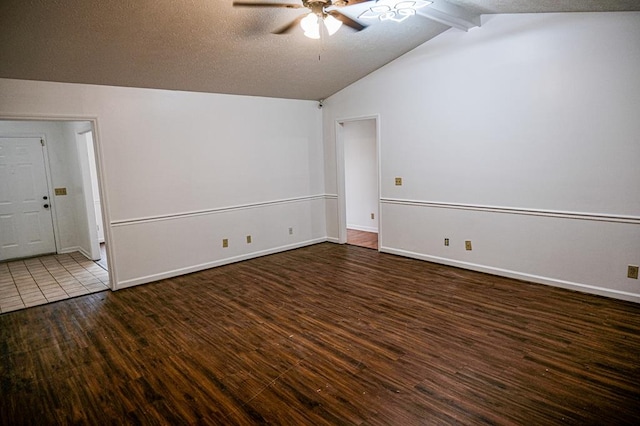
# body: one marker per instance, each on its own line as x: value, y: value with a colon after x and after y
x: 290, y: 231
x: 373, y: 216
x: 248, y: 239
x: 225, y: 242
x: 467, y: 245
x: 398, y: 181
x: 446, y: 242
x: 632, y: 272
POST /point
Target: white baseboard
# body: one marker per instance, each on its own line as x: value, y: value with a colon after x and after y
x: 363, y: 228
x: 584, y: 288
x: 68, y: 250
x: 195, y: 268
x: 82, y: 251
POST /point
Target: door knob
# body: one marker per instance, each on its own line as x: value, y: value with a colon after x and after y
x: 46, y: 206
x: 45, y: 198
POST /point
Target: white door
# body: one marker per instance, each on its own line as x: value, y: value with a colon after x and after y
x: 26, y: 226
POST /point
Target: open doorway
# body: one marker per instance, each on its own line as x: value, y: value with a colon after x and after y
x: 65, y: 197
x: 361, y: 183
x: 91, y: 194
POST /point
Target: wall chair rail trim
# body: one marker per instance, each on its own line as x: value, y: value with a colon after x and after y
x: 125, y: 222
x: 600, y: 217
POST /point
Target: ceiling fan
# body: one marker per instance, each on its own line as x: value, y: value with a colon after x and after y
x: 325, y: 11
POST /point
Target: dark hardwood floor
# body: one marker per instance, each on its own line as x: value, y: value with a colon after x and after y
x: 327, y: 334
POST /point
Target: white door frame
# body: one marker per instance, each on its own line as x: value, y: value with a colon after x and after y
x: 340, y: 178
x: 102, y: 185
x: 89, y: 203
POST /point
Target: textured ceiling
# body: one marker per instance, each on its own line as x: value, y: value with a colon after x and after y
x: 547, y: 6
x: 210, y: 46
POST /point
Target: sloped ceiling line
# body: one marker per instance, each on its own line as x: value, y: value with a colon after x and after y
x: 210, y: 46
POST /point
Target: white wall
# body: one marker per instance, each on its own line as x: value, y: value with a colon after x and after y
x: 88, y: 238
x: 183, y: 170
x: 64, y: 169
x: 361, y: 175
x: 521, y: 136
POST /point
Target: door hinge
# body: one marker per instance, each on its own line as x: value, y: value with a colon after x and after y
x: 42, y: 142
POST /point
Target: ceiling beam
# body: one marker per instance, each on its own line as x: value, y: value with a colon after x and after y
x: 451, y: 15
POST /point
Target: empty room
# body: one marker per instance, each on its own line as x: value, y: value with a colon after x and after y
x: 319, y: 212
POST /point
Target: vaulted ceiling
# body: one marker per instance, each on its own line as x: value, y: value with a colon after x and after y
x: 211, y: 46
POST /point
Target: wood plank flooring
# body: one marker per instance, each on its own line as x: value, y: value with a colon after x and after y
x: 362, y: 238
x: 326, y: 334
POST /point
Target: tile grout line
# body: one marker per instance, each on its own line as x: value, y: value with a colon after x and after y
x: 83, y: 268
x: 15, y: 285
x: 50, y: 264
x: 30, y: 271
x: 67, y: 295
x: 92, y: 274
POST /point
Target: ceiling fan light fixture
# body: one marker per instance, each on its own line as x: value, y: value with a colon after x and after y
x: 311, y: 26
x: 327, y: 11
x: 332, y: 24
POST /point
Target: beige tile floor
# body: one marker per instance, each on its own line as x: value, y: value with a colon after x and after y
x: 39, y: 280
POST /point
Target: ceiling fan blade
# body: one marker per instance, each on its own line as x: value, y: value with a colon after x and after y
x: 352, y: 2
x: 347, y: 21
x: 253, y: 4
x: 290, y: 26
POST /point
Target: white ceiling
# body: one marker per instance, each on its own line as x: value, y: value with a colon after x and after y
x: 210, y: 46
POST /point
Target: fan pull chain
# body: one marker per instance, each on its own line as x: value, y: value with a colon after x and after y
x: 321, y: 46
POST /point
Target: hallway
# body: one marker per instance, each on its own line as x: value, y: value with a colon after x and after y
x: 362, y: 239
x: 35, y: 281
